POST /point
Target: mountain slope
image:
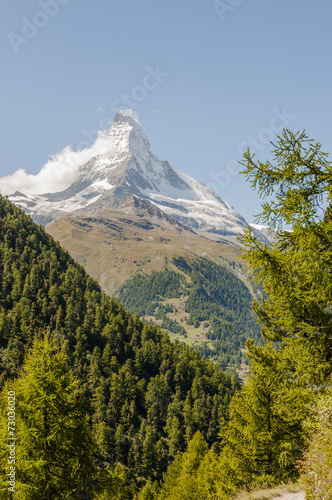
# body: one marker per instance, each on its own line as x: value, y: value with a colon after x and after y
x: 123, y: 251
x: 117, y: 243
x: 147, y: 395
x: 127, y: 212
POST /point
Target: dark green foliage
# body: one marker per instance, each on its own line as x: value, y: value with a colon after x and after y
x: 213, y: 294
x: 135, y: 380
x: 222, y: 299
x: 142, y: 293
x: 42, y: 289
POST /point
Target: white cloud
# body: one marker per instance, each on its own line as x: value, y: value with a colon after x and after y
x: 62, y: 169
x: 57, y: 174
x: 101, y: 109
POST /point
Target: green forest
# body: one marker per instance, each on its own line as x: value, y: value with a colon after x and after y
x: 212, y: 294
x: 145, y: 397
x: 97, y: 404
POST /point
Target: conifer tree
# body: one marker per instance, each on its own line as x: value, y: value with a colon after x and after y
x: 296, y: 269
x: 192, y: 475
x: 55, y: 448
x: 259, y: 443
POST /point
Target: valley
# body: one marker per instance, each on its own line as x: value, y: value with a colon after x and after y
x: 119, y: 247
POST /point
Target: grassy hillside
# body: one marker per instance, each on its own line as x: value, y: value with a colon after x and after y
x: 114, y: 246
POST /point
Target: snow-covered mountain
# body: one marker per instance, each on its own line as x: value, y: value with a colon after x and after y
x: 120, y: 165
x: 268, y: 232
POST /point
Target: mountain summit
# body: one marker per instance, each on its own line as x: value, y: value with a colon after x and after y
x: 120, y: 165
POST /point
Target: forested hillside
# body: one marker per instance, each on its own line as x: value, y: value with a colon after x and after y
x: 212, y: 301
x: 146, y: 396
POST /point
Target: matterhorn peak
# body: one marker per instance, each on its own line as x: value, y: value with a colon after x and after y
x: 126, y: 115
x: 127, y: 122
x: 120, y: 165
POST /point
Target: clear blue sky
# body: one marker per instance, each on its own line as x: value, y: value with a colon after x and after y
x: 221, y: 76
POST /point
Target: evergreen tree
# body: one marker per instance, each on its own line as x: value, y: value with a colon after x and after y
x: 296, y: 269
x: 192, y: 475
x: 259, y: 443
x: 55, y: 449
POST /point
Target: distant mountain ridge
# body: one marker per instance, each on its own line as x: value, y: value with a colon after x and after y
x: 121, y: 165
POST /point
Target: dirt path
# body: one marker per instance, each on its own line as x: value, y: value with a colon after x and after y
x: 291, y: 496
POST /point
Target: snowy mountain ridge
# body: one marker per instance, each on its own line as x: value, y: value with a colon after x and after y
x: 120, y: 164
